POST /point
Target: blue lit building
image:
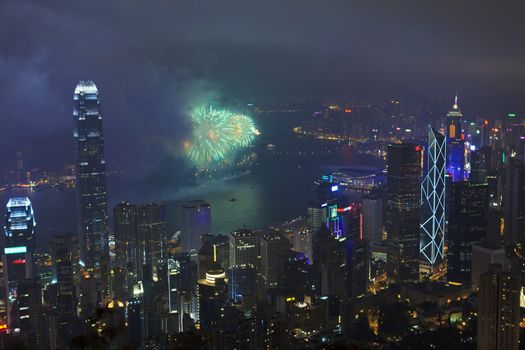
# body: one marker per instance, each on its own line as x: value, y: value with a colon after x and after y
x: 432, y: 230
x: 327, y: 207
x: 91, y: 181
x: 455, y: 144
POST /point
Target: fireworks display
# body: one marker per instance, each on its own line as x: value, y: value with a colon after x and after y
x: 217, y: 134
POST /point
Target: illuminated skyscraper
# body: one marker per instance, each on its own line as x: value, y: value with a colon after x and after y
x: 195, y: 222
x: 20, y: 223
x: 302, y: 242
x: 274, y: 247
x: 16, y: 262
x: 18, y: 246
x: 174, y: 287
x: 455, y: 143
x: 432, y: 241
x: 91, y: 181
x: 152, y: 233
x: 220, y: 249
x: 403, y: 211
x: 128, y: 244
x: 30, y: 312
x: 243, y: 248
x: 316, y: 214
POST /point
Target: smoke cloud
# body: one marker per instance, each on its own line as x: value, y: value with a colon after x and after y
x: 152, y: 60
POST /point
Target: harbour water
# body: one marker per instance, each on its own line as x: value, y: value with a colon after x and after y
x: 277, y: 189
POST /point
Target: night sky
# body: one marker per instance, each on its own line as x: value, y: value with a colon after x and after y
x: 152, y: 59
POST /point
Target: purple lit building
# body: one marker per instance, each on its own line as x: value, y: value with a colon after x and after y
x: 195, y: 222
x: 455, y: 144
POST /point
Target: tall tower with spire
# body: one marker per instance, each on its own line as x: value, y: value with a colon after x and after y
x: 455, y: 143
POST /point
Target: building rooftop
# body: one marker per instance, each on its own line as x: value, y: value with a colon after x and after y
x: 243, y: 233
x: 86, y: 87
x: 18, y: 202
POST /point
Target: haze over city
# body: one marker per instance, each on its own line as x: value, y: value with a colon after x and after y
x: 262, y: 174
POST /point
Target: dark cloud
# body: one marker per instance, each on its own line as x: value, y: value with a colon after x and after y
x: 152, y: 59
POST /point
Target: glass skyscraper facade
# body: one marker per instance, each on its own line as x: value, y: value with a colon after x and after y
x: 128, y: 245
x: 91, y: 180
x: 152, y: 235
x: 403, y: 211
x: 467, y: 225
x: 432, y: 231
x: 195, y: 222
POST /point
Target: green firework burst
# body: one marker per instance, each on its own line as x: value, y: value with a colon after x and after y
x: 218, y: 133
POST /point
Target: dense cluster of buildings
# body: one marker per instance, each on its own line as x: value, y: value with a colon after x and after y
x: 438, y: 243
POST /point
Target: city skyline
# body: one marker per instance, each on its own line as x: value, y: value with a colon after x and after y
x: 262, y: 175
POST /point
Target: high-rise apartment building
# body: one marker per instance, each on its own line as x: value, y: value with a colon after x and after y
x: 498, y: 310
